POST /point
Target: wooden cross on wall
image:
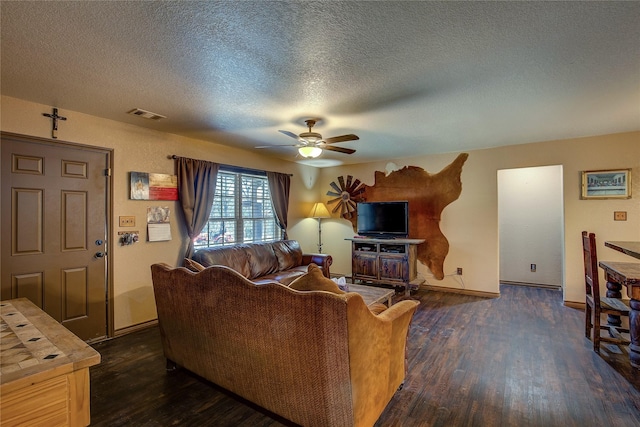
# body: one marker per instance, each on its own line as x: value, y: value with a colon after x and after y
x: 55, y: 117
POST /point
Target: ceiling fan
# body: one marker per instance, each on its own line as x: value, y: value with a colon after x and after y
x: 310, y: 144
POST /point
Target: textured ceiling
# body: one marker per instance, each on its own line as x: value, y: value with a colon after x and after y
x: 409, y: 78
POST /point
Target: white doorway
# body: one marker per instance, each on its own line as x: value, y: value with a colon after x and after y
x: 531, y: 226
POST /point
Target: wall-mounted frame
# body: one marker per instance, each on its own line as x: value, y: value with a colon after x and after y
x: 153, y: 186
x: 606, y: 184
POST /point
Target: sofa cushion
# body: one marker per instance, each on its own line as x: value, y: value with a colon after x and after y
x: 193, y: 265
x: 287, y: 276
x: 262, y: 259
x: 234, y: 257
x: 314, y: 280
x: 289, y: 254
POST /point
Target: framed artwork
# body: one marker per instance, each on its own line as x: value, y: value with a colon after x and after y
x: 153, y: 186
x: 606, y: 184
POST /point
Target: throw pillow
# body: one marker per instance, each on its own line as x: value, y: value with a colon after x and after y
x: 193, y: 265
x: 314, y: 280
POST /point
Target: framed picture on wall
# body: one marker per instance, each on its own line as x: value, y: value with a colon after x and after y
x: 153, y: 186
x: 606, y: 184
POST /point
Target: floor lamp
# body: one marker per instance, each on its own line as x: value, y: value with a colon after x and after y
x: 319, y: 211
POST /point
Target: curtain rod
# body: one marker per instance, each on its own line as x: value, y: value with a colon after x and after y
x: 229, y: 166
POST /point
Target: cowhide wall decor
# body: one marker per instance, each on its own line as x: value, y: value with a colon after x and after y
x: 428, y: 194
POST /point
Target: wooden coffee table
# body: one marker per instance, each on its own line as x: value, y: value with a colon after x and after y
x: 373, y: 294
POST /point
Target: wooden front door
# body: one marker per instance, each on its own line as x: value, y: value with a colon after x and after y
x: 54, y: 226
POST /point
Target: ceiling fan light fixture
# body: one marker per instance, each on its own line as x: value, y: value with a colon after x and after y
x: 311, y: 144
x: 310, y: 152
x: 310, y: 137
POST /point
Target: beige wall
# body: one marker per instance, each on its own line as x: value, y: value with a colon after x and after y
x: 470, y: 223
x: 139, y: 149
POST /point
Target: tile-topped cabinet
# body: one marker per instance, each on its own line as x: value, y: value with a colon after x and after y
x: 45, y: 369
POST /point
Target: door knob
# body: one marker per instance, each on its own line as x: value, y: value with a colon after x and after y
x: 100, y: 254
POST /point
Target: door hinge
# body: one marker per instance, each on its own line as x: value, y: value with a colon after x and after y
x: 107, y: 172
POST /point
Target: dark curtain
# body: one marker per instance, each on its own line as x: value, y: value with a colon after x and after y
x: 196, y: 189
x: 279, y: 184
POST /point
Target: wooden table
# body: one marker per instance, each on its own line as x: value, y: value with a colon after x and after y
x: 44, y: 369
x: 629, y: 248
x: 373, y: 294
x: 627, y: 274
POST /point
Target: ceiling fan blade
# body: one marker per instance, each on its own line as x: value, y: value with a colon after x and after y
x: 341, y: 138
x: 339, y: 149
x: 291, y: 134
x: 277, y: 145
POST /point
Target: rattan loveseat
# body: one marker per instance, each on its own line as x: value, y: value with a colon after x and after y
x: 317, y: 358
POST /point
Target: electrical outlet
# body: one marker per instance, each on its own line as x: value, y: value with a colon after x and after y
x: 533, y: 268
x: 127, y: 221
x: 459, y: 271
x: 620, y: 215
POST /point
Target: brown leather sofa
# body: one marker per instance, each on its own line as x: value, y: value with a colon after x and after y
x: 317, y: 358
x: 281, y: 260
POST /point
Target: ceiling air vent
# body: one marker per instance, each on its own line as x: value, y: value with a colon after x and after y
x: 146, y: 114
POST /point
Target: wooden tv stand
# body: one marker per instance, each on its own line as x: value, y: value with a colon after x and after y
x: 385, y: 261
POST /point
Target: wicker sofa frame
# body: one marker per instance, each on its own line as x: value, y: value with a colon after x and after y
x: 316, y: 358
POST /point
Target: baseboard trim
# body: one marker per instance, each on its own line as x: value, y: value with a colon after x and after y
x: 535, y: 285
x: 461, y: 291
x: 135, y: 328
x: 574, y: 304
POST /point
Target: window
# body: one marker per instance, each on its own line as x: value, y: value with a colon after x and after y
x: 241, y: 212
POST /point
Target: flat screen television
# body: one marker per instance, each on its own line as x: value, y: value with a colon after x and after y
x: 383, y: 219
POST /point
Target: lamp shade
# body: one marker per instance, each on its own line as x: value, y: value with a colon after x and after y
x: 319, y: 210
x: 309, y: 151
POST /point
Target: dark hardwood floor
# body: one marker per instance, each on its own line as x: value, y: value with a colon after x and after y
x: 518, y: 360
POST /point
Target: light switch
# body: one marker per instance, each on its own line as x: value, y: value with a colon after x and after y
x: 127, y: 221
